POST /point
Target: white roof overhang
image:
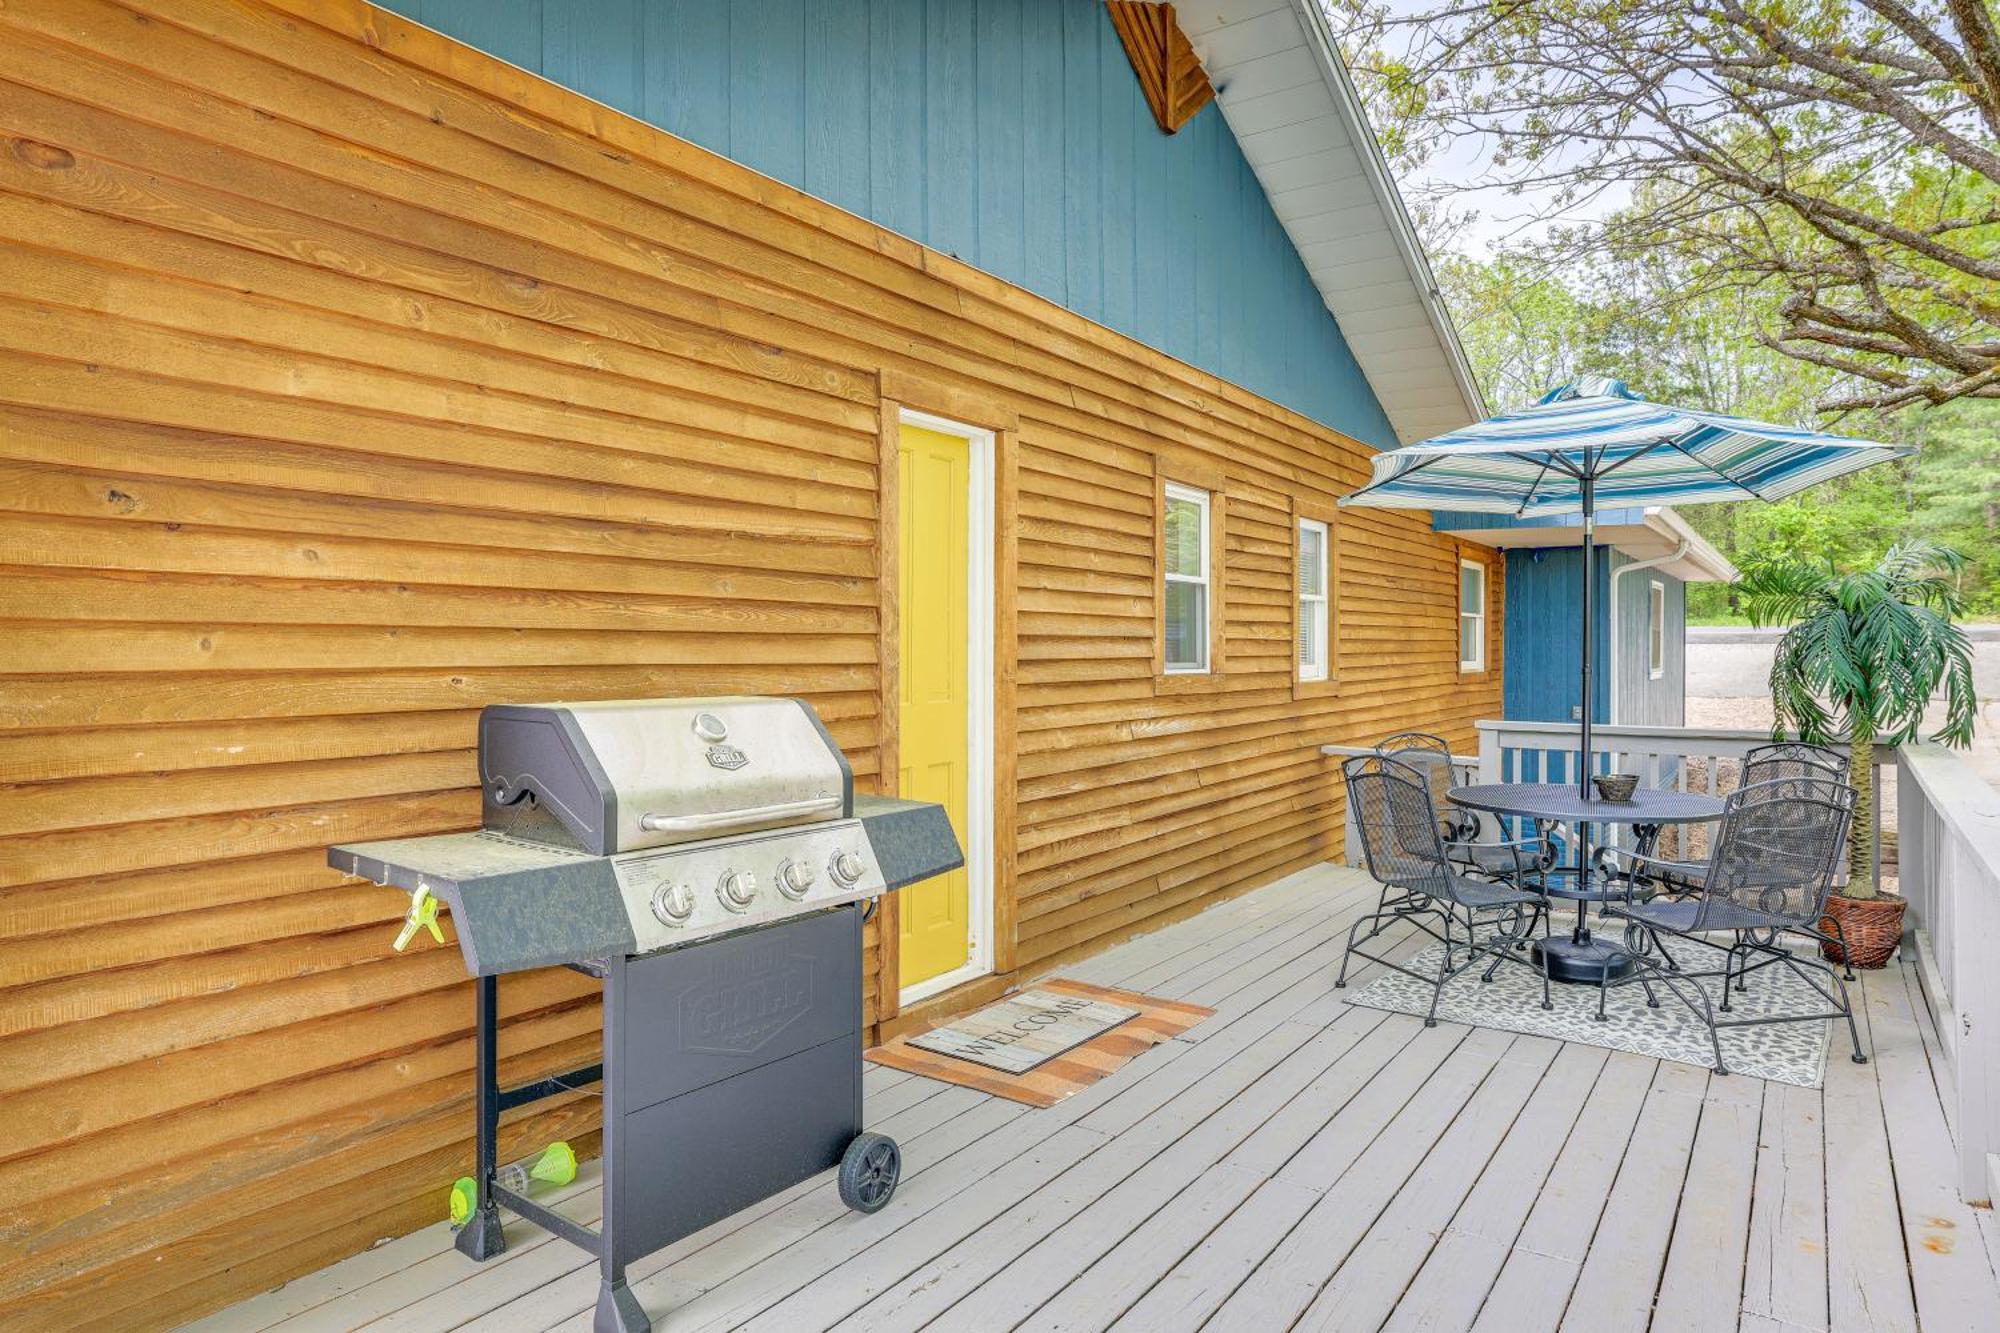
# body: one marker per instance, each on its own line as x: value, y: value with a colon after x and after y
x: 1280, y: 83
x: 1643, y: 534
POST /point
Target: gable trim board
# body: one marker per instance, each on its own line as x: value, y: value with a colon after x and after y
x: 1169, y: 72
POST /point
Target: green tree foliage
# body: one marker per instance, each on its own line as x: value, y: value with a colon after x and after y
x: 1535, y: 315
x: 1841, y: 157
x: 1806, y: 230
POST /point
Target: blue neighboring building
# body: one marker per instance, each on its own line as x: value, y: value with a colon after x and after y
x: 1645, y: 560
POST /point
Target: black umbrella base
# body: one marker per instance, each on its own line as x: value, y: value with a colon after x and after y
x: 1585, y: 962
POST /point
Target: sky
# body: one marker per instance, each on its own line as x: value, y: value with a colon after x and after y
x: 1497, y: 217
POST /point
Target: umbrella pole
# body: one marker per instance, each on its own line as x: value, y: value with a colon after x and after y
x: 1589, y: 624
x: 1581, y: 935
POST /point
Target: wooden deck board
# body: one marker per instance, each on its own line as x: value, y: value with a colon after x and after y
x: 1299, y: 1163
x: 1702, y: 1284
x: 1453, y: 1276
x: 1949, y: 1268
x: 1784, y: 1270
x: 1532, y: 1289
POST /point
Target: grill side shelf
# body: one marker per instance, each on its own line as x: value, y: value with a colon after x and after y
x: 513, y: 905
x: 913, y: 840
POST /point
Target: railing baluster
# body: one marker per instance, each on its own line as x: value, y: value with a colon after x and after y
x: 1875, y: 817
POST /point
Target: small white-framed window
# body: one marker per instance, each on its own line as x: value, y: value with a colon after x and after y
x: 1312, y: 575
x: 1656, y: 631
x: 1471, y: 615
x: 1184, y: 552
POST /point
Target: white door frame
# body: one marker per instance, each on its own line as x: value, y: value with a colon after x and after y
x: 979, y: 858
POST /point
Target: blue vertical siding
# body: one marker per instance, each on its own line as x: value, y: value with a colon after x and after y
x: 1151, y: 263
x: 896, y: 115
x: 951, y: 128
x: 1083, y: 170
x: 681, y: 37
x: 837, y: 102
x: 767, y: 85
x: 999, y: 69
x: 1642, y: 700
x: 1011, y: 133
x: 1540, y: 681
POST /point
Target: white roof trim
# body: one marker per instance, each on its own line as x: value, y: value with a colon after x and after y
x: 1659, y: 531
x: 1702, y: 563
x: 1280, y: 83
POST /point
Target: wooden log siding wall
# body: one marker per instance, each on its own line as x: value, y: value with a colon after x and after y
x: 353, y: 380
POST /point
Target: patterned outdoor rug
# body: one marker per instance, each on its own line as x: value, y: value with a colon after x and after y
x: 1512, y: 1002
x: 1049, y: 1047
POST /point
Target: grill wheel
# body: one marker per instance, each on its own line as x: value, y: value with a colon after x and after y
x: 869, y: 1170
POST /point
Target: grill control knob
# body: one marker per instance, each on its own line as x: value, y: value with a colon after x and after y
x: 848, y: 868
x: 795, y: 879
x: 673, y: 904
x: 737, y: 889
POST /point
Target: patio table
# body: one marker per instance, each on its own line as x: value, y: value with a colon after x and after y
x: 1581, y: 959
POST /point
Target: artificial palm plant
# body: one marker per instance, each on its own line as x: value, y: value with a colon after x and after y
x: 1865, y: 652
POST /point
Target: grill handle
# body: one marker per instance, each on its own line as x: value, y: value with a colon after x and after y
x: 725, y: 821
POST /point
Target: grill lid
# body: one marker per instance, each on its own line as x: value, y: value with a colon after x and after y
x: 623, y: 775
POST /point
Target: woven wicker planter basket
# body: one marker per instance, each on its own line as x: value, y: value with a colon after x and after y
x: 1873, y: 927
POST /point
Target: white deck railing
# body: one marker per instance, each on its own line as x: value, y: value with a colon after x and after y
x: 1948, y: 855
x: 1684, y: 758
x: 1546, y: 752
x: 1698, y: 759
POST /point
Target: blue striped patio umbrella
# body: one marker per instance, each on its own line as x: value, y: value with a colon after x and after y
x: 1595, y: 441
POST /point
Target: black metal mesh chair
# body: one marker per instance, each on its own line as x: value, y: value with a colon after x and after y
x: 1389, y: 805
x: 1792, y: 759
x: 1796, y: 759
x: 1761, y: 763
x: 1766, y: 881
x: 1431, y: 756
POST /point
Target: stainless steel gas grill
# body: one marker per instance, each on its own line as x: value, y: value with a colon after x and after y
x: 708, y: 860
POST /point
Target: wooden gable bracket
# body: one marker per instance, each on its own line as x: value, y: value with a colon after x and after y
x: 1175, y: 84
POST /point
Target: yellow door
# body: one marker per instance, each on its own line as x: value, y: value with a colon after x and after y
x: 933, y: 731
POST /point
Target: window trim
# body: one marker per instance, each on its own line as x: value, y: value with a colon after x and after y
x: 1656, y: 629
x: 1205, y: 501
x: 1322, y: 667
x: 1476, y: 665
x: 1325, y: 512
x: 1188, y: 472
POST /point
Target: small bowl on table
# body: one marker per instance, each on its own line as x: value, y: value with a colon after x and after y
x: 1616, y: 788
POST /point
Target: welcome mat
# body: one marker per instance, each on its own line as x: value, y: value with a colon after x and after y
x: 1041, y: 1045
x: 1024, y: 1031
x: 1512, y: 1001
